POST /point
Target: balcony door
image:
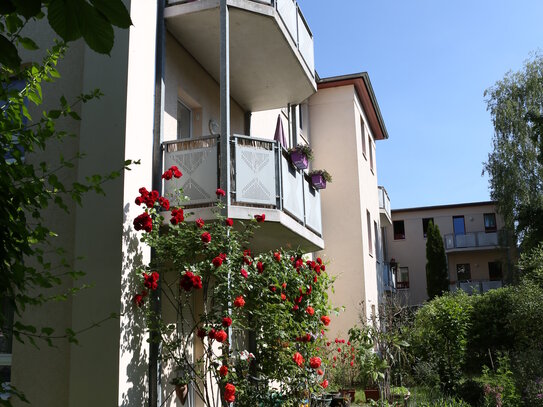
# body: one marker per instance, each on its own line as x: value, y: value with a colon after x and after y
x: 459, y: 227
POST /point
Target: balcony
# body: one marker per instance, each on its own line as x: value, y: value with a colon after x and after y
x: 476, y: 286
x: 271, y: 48
x: 384, y: 207
x: 262, y: 181
x: 475, y: 241
x: 389, y: 278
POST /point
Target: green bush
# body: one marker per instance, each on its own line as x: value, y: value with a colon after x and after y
x: 499, y: 386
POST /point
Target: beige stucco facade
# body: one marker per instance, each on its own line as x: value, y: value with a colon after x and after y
x: 478, y: 246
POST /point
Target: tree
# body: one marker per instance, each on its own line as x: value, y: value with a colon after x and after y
x: 515, y: 165
x: 437, y: 281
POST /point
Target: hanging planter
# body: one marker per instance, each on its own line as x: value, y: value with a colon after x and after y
x: 319, y: 178
x: 300, y: 156
x: 182, y: 391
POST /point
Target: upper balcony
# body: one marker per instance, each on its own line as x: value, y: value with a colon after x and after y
x: 475, y: 241
x: 271, y: 48
x: 384, y: 207
x: 262, y: 181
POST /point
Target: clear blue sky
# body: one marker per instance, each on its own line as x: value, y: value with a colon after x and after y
x: 429, y: 62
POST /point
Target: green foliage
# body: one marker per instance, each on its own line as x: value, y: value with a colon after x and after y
x: 515, y: 166
x: 71, y: 20
x: 439, y: 337
x: 437, y: 281
x: 499, y: 386
x: 531, y: 266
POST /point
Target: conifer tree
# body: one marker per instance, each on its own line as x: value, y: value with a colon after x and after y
x: 436, y: 263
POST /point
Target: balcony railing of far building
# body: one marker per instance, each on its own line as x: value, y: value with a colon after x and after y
x: 476, y: 286
x: 384, y: 200
x: 261, y: 176
x: 294, y: 21
x: 476, y: 240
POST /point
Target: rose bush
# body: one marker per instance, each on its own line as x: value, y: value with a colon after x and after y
x: 228, y: 299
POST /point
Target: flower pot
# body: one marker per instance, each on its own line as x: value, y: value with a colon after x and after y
x: 299, y: 160
x: 318, y: 181
x: 372, y: 394
x: 348, y: 393
x: 182, y: 391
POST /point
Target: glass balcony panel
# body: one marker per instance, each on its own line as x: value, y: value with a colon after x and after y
x: 312, y: 207
x: 288, y: 11
x: 487, y: 239
x: 466, y: 240
x: 293, y: 189
x: 305, y: 42
x: 491, y: 285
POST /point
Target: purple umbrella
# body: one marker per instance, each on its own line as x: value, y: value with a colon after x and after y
x: 279, y: 133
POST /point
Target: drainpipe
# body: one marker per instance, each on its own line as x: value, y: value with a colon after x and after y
x: 224, y: 144
x: 154, y: 345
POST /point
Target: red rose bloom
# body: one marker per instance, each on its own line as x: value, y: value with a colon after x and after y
x: 260, y: 218
x: 151, y: 280
x: 244, y: 273
x: 143, y: 222
x: 324, y: 384
x: 220, y: 336
x: 273, y: 288
x: 320, y: 372
x: 177, y: 216
x: 315, y: 362
x: 277, y: 256
x: 298, y: 359
x: 226, y: 322
x: 229, y: 222
x: 230, y: 393
x: 283, y: 297
x: 201, y: 333
x: 284, y: 285
x: 319, y: 260
x: 206, y: 237
x: 138, y: 300
x: 352, y: 363
x: 223, y: 371
x: 167, y: 175
x: 200, y: 222
x: 175, y: 171
x: 310, y: 310
x: 295, y: 308
x: 164, y: 203
x: 325, y: 319
x: 211, y: 333
x: 260, y: 267
x: 220, y: 192
x: 239, y: 302
x: 196, y: 282
x: 217, y: 261
x: 247, y: 252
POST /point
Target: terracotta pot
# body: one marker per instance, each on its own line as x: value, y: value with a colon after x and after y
x: 372, y: 394
x: 182, y: 391
x: 299, y: 160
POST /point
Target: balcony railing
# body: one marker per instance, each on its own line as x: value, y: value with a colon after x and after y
x: 294, y: 21
x: 476, y: 286
x: 474, y: 240
x: 384, y: 201
x: 261, y: 176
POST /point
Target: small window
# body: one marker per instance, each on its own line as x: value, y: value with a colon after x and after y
x: 376, y: 239
x: 363, y: 135
x: 370, y: 147
x: 184, y: 121
x: 399, y: 229
x: 425, y: 223
x: 495, y: 271
x: 490, y: 222
x: 463, y: 272
x: 402, y: 277
x: 370, y: 241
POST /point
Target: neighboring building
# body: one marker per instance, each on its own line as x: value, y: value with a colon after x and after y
x: 476, y: 245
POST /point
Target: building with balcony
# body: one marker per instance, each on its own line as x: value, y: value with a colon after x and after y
x: 478, y: 252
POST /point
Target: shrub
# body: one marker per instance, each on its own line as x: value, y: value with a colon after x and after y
x: 499, y: 386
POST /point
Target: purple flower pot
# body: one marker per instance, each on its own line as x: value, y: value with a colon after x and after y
x: 299, y: 160
x: 318, y: 181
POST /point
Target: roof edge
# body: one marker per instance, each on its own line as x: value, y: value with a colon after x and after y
x: 447, y: 206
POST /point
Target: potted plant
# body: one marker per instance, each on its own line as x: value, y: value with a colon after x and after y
x: 181, y: 388
x: 319, y: 178
x: 300, y: 156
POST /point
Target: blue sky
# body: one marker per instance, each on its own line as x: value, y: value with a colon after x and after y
x: 430, y: 62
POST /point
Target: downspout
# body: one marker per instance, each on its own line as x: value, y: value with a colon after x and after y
x: 154, y: 345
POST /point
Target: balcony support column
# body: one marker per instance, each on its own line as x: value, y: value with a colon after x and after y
x: 224, y: 171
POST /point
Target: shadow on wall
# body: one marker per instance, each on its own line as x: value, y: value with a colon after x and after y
x: 134, y: 346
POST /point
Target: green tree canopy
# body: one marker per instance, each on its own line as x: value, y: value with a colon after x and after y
x: 437, y: 281
x: 515, y: 165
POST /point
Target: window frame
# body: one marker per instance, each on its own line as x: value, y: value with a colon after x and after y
x: 425, y: 229
x: 490, y: 229
x: 396, y: 235
x: 363, y: 137
x: 370, y: 240
x: 180, y: 102
x: 402, y: 284
x: 467, y: 270
x: 500, y: 264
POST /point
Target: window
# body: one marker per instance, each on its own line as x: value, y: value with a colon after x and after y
x: 495, y: 271
x: 376, y: 237
x: 363, y: 135
x: 184, y: 121
x: 463, y: 272
x: 402, y: 277
x: 425, y: 223
x: 370, y: 146
x: 370, y: 241
x: 458, y: 225
x: 490, y: 222
x: 399, y: 229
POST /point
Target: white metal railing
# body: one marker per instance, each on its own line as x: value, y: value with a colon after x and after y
x: 384, y: 200
x: 261, y: 176
x: 294, y: 20
x: 475, y: 239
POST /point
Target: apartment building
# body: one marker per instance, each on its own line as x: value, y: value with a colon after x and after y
x: 476, y: 246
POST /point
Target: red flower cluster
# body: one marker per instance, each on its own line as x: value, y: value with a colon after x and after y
x: 239, y: 302
x: 304, y: 338
x: 260, y: 267
x: 298, y: 359
x: 217, y: 261
x: 260, y: 218
x: 315, y: 362
x: 190, y: 281
x: 223, y: 371
x: 229, y: 222
x: 146, y: 197
x: 220, y: 336
x: 220, y: 192
x: 177, y: 216
x: 230, y: 393
x: 320, y: 372
x: 244, y: 273
x: 151, y: 280
x: 226, y: 322
x: 173, y: 171
x: 324, y: 384
x: 164, y: 203
x: 310, y: 310
x: 139, y: 299
x: 206, y: 237
x: 277, y: 256
x: 143, y: 222
x: 325, y: 319
x: 200, y: 222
